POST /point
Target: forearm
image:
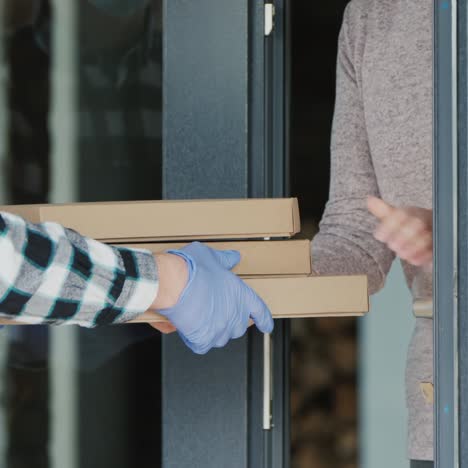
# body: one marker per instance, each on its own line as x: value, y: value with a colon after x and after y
x: 52, y: 275
x: 333, y: 255
x: 173, y: 277
x: 345, y: 243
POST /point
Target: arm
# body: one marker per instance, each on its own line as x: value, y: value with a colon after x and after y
x: 345, y: 242
x: 52, y: 275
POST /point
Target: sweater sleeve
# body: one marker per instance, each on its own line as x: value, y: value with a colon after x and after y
x: 345, y: 242
x: 53, y: 275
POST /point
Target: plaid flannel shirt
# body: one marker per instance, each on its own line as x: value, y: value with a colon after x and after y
x: 53, y: 275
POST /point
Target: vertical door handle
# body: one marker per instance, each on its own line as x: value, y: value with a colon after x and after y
x: 269, y: 18
x: 267, y: 382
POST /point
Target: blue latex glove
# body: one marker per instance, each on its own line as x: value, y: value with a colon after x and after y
x: 216, y: 305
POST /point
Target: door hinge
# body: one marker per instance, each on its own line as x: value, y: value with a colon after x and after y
x: 269, y: 18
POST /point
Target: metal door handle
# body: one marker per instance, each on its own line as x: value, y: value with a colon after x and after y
x: 267, y: 382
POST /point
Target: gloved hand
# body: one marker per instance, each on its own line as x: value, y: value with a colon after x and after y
x: 216, y: 305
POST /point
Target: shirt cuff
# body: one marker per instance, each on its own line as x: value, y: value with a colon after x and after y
x: 140, y: 287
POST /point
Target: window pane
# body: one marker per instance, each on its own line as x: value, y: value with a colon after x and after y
x: 119, y: 100
x: 82, y: 113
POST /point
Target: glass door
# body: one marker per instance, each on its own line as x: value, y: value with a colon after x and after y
x: 84, y: 101
x: 131, y: 100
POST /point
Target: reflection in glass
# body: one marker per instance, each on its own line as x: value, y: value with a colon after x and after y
x: 120, y: 98
x: 118, y: 136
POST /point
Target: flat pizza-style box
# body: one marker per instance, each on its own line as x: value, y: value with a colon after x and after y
x: 280, y: 271
x: 258, y: 258
x: 304, y: 297
x: 147, y: 221
x: 298, y: 297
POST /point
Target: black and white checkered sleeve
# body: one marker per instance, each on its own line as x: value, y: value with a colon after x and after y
x: 52, y: 275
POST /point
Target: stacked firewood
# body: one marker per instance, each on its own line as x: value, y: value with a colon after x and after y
x: 323, y: 393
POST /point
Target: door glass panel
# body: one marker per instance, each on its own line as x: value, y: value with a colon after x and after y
x: 119, y: 138
x: 83, y: 123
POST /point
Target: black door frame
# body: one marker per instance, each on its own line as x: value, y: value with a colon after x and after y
x: 266, y: 173
x: 451, y: 233
x: 462, y: 189
x: 269, y: 177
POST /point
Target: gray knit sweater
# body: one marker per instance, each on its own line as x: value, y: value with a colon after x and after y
x: 382, y: 145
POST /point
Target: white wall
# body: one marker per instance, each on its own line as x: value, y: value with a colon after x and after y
x: 385, y: 334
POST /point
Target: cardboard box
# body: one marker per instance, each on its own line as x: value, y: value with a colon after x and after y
x: 120, y: 222
x: 304, y: 297
x: 258, y: 258
x: 300, y: 297
x: 279, y: 271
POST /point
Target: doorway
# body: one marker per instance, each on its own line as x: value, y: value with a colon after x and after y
x: 324, y: 404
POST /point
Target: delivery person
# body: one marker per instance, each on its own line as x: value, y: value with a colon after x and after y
x: 382, y: 147
x: 52, y: 275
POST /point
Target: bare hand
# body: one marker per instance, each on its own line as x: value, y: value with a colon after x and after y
x: 407, y: 231
x: 173, y: 276
x: 164, y: 327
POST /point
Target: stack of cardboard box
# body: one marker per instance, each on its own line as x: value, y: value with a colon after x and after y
x: 276, y: 266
